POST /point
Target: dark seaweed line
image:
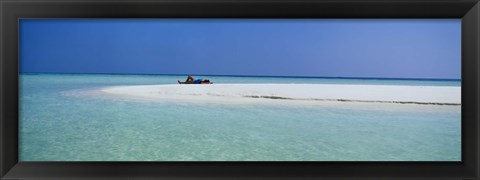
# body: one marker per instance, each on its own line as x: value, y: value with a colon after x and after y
x: 366, y: 101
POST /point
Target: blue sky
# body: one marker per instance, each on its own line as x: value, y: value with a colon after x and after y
x: 381, y: 48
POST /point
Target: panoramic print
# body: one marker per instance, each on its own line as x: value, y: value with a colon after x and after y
x: 240, y: 90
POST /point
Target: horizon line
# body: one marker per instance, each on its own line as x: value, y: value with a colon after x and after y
x: 325, y: 77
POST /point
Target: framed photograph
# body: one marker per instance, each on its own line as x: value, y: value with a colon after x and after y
x: 239, y: 89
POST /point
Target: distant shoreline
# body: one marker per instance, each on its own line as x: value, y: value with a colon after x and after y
x: 253, y: 76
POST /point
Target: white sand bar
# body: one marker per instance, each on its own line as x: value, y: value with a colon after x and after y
x: 441, y: 95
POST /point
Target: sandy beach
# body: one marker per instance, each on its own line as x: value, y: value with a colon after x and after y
x: 241, y: 93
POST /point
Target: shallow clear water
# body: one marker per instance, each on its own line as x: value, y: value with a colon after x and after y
x: 63, y: 117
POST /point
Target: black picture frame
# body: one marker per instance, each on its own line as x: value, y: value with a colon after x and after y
x: 12, y: 10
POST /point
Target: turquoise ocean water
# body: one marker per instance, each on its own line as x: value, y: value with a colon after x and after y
x: 63, y: 117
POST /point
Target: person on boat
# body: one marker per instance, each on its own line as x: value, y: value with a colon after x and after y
x: 192, y: 80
